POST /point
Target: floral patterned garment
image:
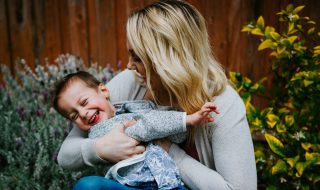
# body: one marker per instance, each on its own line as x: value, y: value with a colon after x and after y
x: 154, y: 165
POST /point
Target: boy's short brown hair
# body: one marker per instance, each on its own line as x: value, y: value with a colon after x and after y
x: 60, y: 85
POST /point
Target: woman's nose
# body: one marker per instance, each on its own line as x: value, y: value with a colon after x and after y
x: 130, y: 65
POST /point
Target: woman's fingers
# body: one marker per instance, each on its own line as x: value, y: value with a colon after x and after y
x: 116, y: 145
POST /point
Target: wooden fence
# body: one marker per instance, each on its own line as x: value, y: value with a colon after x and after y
x: 95, y: 30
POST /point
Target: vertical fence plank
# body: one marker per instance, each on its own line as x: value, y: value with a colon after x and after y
x: 20, y: 24
x: 78, y: 28
x: 5, y: 37
x: 106, y: 32
x: 122, y: 13
x: 92, y: 30
x: 216, y: 15
x: 64, y: 22
x: 51, y: 30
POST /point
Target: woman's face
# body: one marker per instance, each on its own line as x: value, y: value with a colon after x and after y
x: 136, y: 64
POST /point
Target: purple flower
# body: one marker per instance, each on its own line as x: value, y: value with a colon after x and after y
x: 45, y: 95
x: 22, y: 113
x: 39, y: 112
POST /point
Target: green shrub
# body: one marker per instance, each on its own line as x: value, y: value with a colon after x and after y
x: 31, y: 131
x: 288, y: 157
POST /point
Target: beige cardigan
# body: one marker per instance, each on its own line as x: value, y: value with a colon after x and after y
x: 225, y: 148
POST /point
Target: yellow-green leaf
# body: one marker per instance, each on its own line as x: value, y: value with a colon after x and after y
x: 280, y: 167
x: 272, y: 117
x: 260, y: 22
x: 291, y: 39
x: 284, y: 110
x: 250, y: 108
x: 232, y: 76
x: 260, y: 156
x: 275, y: 36
x: 275, y: 54
x: 265, y: 44
x: 280, y: 50
x: 246, y: 29
x: 256, y: 122
x: 289, y: 8
x: 269, y: 29
x: 306, y: 146
x: 297, y: 9
x: 255, y: 86
x: 311, y: 30
x: 275, y: 145
x: 316, y: 179
x: 292, y: 161
x: 257, y: 31
x: 281, y: 128
x: 289, y: 119
x: 313, y: 157
x: 300, y: 167
x: 289, y: 104
x: 290, y: 27
x: 271, y: 124
x: 311, y: 22
x: 307, y: 82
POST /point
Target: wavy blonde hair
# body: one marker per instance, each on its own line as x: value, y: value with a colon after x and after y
x: 171, y: 39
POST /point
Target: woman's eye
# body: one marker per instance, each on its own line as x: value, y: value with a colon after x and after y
x: 134, y: 56
x: 136, y: 59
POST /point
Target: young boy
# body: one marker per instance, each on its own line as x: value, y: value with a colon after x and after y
x: 81, y: 98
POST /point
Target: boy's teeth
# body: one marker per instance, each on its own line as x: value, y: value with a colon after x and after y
x: 92, y: 118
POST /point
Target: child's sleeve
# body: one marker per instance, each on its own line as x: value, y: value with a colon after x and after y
x: 159, y: 124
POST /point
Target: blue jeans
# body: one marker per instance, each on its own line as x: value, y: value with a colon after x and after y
x: 101, y: 183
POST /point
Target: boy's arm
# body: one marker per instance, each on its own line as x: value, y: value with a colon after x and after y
x: 172, y: 124
x: 158, y: 124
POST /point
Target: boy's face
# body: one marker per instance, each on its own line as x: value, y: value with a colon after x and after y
x: 84, y: 105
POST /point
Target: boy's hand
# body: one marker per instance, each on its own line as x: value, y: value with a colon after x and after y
x: 203, y: 115
x: 116, y: 145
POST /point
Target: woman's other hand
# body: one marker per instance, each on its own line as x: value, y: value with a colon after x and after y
x: 116, y: 145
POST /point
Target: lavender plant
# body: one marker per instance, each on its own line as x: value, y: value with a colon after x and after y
x: 32, y: 131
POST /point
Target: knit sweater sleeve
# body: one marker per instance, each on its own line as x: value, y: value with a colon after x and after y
x: 77, y: 150
x: 231, y: 156
x: 159, y: 124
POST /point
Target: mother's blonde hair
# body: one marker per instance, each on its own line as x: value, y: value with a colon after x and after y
x: 171, y: 39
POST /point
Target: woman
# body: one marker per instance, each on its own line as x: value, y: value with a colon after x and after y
x: 170, y: 51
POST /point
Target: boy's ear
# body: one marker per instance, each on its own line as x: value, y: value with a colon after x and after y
x: 104, y: 90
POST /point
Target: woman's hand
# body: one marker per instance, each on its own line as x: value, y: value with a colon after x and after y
x: 116, y: 145
x: 164, y: 143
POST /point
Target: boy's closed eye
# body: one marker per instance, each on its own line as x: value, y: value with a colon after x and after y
x: 73, y: 117
x: 84, y: 102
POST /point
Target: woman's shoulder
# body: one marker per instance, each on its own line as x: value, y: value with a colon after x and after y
x: 228, y: 99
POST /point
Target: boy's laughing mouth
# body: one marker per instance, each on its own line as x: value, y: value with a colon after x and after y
x: 94, y: 119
